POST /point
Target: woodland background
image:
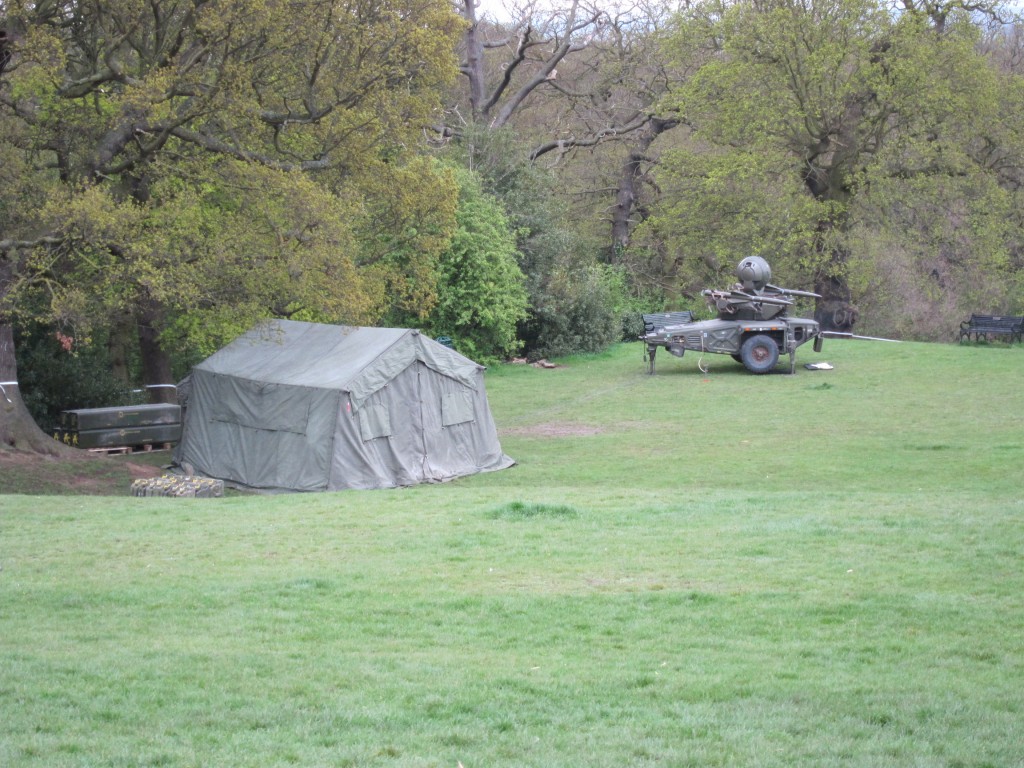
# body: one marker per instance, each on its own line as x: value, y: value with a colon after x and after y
x: 524, y: 182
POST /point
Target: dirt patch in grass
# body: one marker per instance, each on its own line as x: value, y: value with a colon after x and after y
x: 553, y: 429
x: 78, y: 474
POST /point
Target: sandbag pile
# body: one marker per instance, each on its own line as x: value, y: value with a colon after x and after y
x: 179, y: 485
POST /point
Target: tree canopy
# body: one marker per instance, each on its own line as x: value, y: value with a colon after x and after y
x: 194, y: 162
x: 827, y: 131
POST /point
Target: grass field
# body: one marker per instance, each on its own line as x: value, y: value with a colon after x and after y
x: 690, y: 569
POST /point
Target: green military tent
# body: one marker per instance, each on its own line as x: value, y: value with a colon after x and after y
x: 313, y: 407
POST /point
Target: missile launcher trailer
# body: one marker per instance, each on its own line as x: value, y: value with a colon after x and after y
x: 753, y: 324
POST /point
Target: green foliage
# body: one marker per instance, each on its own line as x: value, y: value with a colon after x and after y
x: 937, y: 228
x: 577, y: 314
x: 722, y: 205
x: 524, y: 188
x: 169, y: 170
x: 572, y: 307
x: 630, y: 299
x: 946, y: 255
x: 245, y: 242
x: 224, y: 243
x: 481, y: 296
x: 527, y: 193
x: 403, y: 217
x: 57, y: 372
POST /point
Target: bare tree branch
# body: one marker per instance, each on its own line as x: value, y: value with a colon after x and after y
x: 509, y: 69
x: 592, y: 140
x: 564, y: 47
x: 525, y: 39
x: 212, y: 144
x: 10, y: 246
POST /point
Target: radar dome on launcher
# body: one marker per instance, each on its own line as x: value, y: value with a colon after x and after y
x: 754, y: 273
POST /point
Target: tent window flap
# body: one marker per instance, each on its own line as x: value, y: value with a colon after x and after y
x: 374, y: 422
x: 456, y: 408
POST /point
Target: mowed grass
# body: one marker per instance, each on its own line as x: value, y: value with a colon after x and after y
x: 690, y: 569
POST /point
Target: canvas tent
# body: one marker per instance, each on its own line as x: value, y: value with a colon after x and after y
x: 313, y: 407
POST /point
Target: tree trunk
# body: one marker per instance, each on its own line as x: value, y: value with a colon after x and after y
x: 632, y: 173
x: 18, y: 431
x: 156, y: 363
x: 118, y: 343
x: 834, y: 311
x: 473, y: 67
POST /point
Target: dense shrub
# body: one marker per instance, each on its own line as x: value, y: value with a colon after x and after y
x: 480, y: 291
x: 573, y: 307
x: 576, y: 313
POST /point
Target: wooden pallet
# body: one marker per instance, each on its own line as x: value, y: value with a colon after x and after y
x: 110, y: 450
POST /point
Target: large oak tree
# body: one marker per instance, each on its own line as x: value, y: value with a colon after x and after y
x: 824, y: 130
x: 157, y: 160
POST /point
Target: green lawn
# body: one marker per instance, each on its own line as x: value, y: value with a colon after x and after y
x: 689, y: 569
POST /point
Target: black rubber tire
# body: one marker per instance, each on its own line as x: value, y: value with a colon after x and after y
x: 759, y: 353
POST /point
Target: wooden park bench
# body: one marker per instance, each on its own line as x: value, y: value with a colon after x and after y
x: 992, y: 325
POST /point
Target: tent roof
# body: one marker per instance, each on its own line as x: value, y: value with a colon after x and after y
x: 353, y: 359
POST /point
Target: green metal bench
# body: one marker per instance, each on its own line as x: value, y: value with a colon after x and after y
x: 988, y: 326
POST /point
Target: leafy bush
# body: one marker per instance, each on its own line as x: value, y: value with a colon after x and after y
x: 632, y: 325
x: 480, y: 291
x: 576, y: 313
x: 572, y: 306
